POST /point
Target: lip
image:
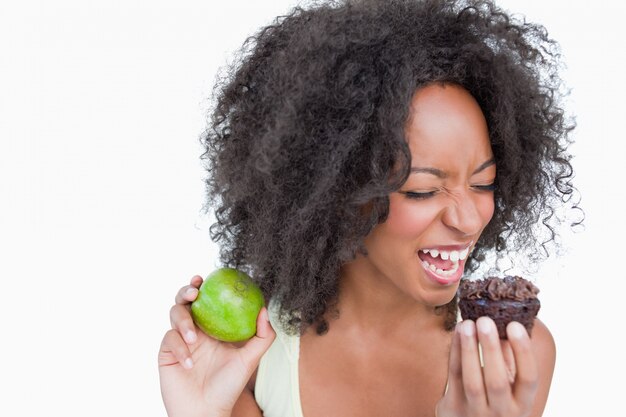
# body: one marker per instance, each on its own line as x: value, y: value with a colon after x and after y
x: 450, y: 247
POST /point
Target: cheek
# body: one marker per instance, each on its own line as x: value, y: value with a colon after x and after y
x: 406, y: 219
x: 486, y: 208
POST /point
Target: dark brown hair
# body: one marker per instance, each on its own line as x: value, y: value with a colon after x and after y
x: 309, y: 124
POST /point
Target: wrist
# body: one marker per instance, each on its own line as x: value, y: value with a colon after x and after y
x: 218, y: 414
x: 207, y: 413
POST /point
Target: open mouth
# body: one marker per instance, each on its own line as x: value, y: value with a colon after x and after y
x: 444, y: 263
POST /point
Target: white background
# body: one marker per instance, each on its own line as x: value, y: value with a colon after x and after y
x: 101, y: 107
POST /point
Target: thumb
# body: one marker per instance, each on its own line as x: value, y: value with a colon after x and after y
x: 258, y: 345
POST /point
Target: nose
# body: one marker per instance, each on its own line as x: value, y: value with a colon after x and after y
x: 463, y: 215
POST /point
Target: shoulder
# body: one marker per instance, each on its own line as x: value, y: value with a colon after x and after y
x: 543, y: 343
x: 544, y: 348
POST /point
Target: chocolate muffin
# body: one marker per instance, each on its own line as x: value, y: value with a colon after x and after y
x: 503, y: 299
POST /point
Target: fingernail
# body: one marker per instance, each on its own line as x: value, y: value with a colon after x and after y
x: 484, y: 326
x: 188, y: 364
x: 468, y: 328
x: 191, y: 291
x: 516, y: 330
x: 190, y: 336
x: 459, y: 327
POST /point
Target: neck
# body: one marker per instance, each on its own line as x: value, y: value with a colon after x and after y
x: 371, y: 303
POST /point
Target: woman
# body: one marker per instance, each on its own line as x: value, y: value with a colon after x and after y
x: 354, y: 145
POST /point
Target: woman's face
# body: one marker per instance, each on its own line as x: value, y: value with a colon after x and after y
x: 439, y: 213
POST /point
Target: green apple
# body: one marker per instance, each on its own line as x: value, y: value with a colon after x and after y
x: 227, y: 305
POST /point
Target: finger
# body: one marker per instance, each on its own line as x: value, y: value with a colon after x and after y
x: 186, y: 295
x: 174, y: 351
x: 495, y: 372
x: 181, y: 320
x: 196, y: 281
x: 526, y: 378
x: 471, y: 370
x: 509, y: 360
x: 455, y: 382
x: 255, y: 348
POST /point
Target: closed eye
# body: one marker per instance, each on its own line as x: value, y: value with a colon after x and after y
x: 418, y: 196
x: 428, y: 194
x: 486, y: 187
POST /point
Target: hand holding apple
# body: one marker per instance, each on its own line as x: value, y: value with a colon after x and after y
x: 200, y: 375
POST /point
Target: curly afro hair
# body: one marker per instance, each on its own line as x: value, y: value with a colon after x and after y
x: 306, y: 140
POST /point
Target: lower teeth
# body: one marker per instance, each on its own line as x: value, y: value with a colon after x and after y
x: 438, y: 271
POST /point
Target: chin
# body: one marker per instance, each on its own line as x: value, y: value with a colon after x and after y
x: 440, y: 297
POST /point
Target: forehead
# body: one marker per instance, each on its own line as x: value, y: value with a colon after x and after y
x: 446, y: 126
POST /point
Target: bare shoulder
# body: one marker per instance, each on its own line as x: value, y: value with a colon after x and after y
x: 246, y: 405
x: 543, y: 343
x: 544, y: 348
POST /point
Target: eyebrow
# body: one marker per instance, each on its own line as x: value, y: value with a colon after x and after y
x: 484, y: 166
x: 441, y: 174
x: 433, y: 171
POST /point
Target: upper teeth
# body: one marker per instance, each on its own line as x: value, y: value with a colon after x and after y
x: 453, y: 255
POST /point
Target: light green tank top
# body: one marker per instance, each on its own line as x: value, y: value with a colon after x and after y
x: 277, y: 388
